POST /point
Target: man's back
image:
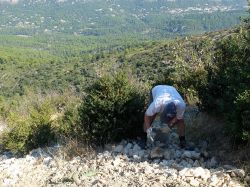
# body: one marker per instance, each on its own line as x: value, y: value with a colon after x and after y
x: 168, y: 93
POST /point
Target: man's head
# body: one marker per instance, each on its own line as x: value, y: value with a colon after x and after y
x: 169, y: 113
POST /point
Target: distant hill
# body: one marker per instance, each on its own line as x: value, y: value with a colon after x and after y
x: 147, y: 18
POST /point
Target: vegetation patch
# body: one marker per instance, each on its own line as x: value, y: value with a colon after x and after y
x: 41, y: 122
x: 112, y: 109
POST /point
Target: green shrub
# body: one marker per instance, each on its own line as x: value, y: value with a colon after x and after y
x: 68, y: 124
x: 239, y: 124
x: 31, y: 131
x: 228, y: 82
x: 112, y: 109
x: 40, y: 121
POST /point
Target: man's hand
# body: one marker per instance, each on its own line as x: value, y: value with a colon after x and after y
x: 148, y: 120
x: 150, y: 134
x: 172, y: 123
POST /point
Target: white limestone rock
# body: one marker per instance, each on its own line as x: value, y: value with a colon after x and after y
x: 167, y: 154
x: 194, y: 183
x: 239, y: 172
x: 213, y: 162
x: 118, y: 149
x: 200, y: 172
x: 47, y: 160
x: 196, y: 163
x: 136, y: 149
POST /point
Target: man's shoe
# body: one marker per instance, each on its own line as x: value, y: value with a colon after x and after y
x: 182, y: 144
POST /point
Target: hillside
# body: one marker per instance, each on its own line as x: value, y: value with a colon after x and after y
x: 75, y: 78
x: 157, y: 18
x: 45, y: 109
x: 123, y: 164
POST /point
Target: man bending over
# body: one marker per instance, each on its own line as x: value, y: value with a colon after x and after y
x: 168, y: 103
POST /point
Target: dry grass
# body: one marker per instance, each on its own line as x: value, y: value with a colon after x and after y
x: 201, y: 126
x: 73, y: 148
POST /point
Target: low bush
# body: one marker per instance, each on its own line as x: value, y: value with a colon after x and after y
x: 226, y: 92
x: 27, y: 132
x: 40, y: 122
x: 239, y: 119
x: 112, y: 109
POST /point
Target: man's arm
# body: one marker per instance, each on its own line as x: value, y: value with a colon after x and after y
x: 148, y: 120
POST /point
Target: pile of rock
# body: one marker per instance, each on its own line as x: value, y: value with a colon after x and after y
x: 124, y: 164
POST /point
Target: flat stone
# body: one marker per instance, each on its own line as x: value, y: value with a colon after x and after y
x: 229, y: 167
x: 214, y: 180
x: 190, y: 161
x: 108, y: 147
x: 202, y: 173
x: 136, y: 157
x: 213, y: 162
x: 205, y: 154
x: 185, y: 172
x: 118, y: 149
x: 203, y: 145
x: 239, y: 172
x: 141, y: 153
x: 167, y: 154
x: 196, y: 163
x: 191, y: 154
x: 136, y: 148
x: 195, y: 155
x: 47, y: 160
x: 178, y: 154
x: 247, y: 179
x: 184, y: 163
x: 129, y: 146
x: 157, y: 152
x: 187, y: 154
x: 178, y: 167
x: 39, y: 153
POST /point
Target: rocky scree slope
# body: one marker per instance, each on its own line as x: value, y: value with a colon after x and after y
x: 123, y: 164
